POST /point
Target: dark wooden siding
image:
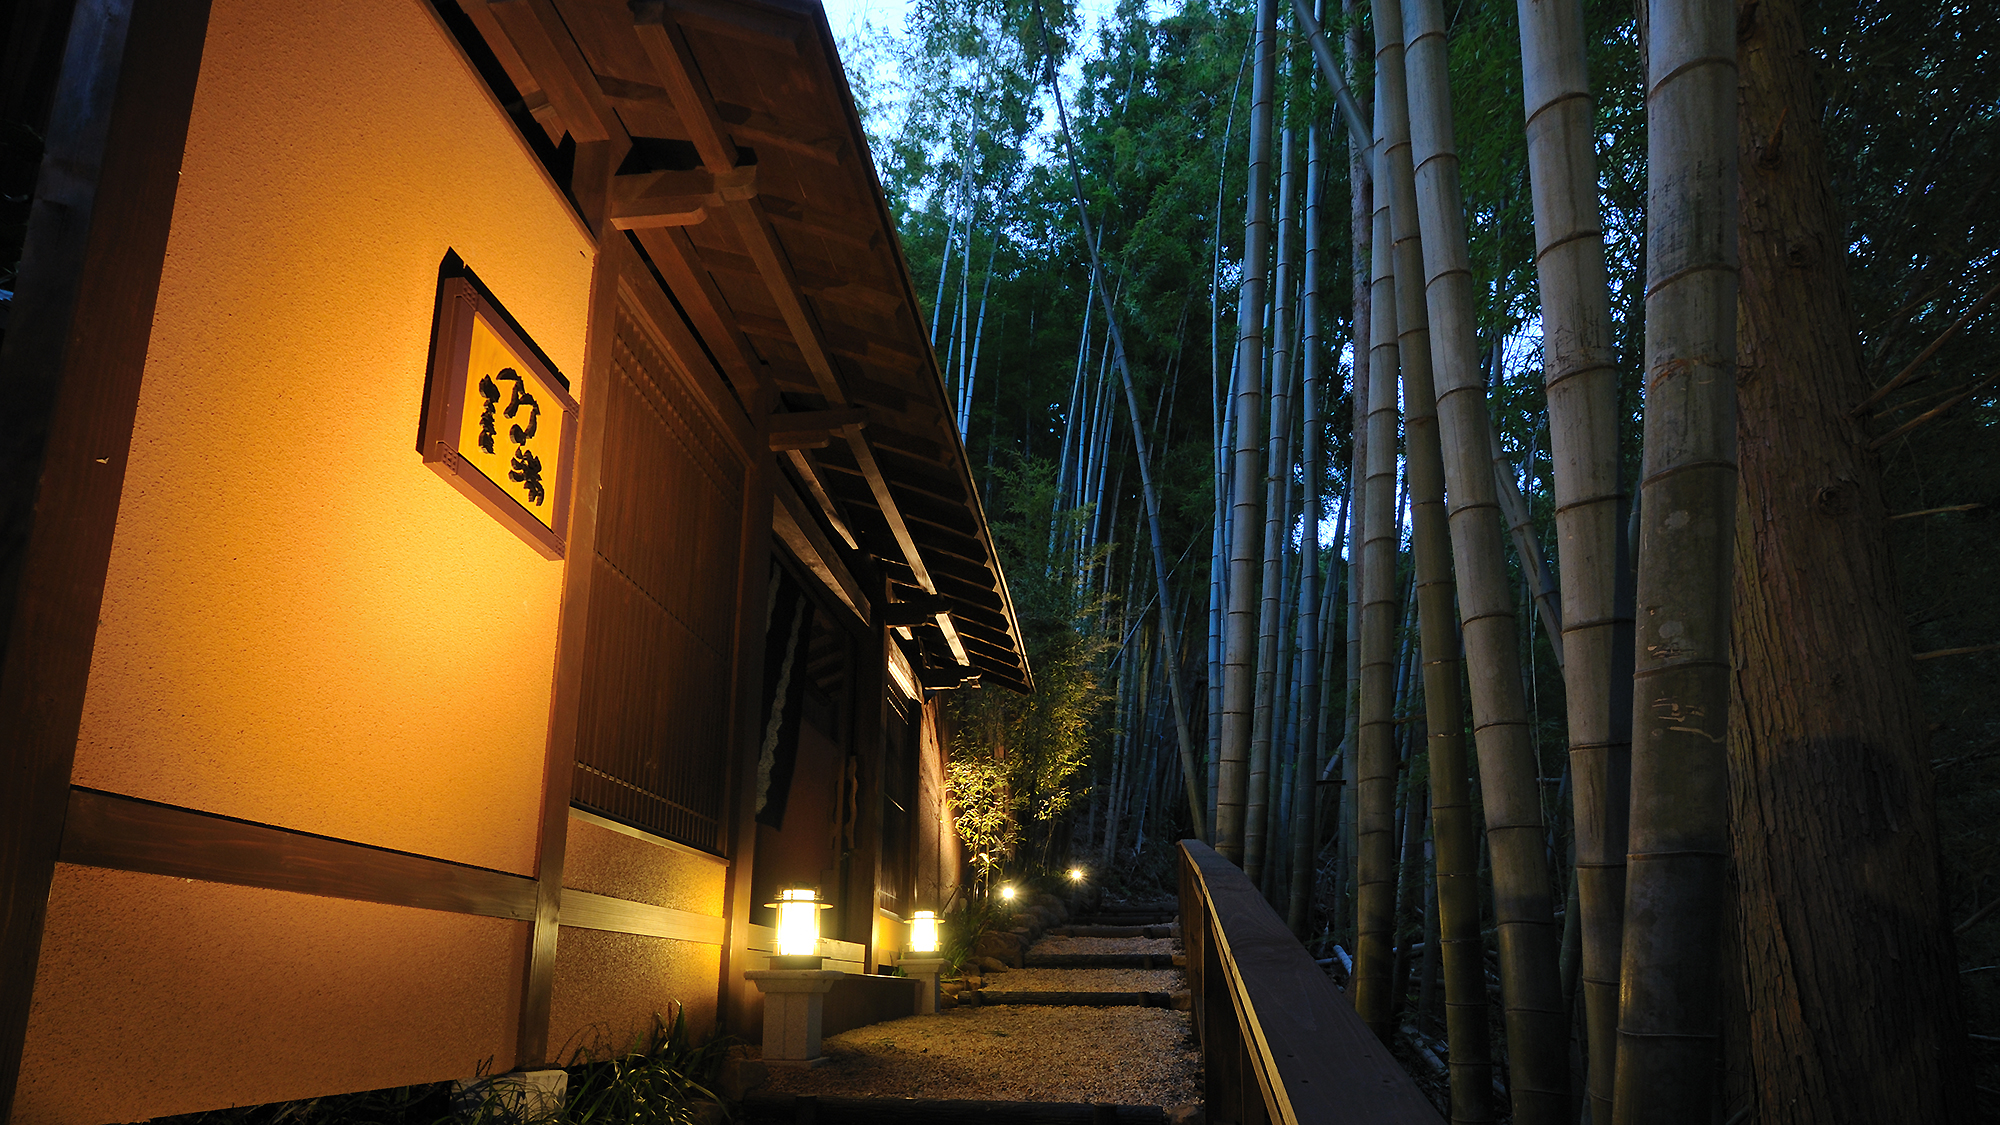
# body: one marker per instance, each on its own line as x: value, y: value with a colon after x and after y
x: 653, y: 750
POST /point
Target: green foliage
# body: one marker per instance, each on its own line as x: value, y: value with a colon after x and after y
x: 962, y: 926
x: 982, y: 807
x: 660, y: 1081
x: 1018, y: 759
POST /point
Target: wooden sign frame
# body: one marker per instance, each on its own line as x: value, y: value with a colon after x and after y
x: 463, y: 308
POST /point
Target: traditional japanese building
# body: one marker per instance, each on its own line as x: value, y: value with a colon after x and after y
x: 483, y: 514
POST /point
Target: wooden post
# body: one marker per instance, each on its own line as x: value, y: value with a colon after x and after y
x: 70, y: 372
x: 871, y: 725
x: 614, y: 256
x: 746, y: 726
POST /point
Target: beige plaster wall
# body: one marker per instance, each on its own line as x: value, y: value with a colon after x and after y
x: 161, y: 996
x: 606, y: 862
x: 609, y: 986
x: 303, y: 625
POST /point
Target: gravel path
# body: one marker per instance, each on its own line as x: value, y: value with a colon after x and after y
x: 1087, y: 980
x: 1127, y: 1056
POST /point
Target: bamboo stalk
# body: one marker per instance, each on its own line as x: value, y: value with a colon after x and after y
x: 1361, y: 222
x: 1523, y: 898
x: 1277, y: 482
x: 1581, y: 380
x: 1521, y: 525
x: 1678, y: 853
x: 1457, y: 837
x: 1306, y: 765
x: 1240, y: 648
x: 1375, y: 760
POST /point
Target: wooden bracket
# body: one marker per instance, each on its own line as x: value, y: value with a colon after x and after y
x: 676, y: 199
x: 813, y: 429
x: 917, y: 611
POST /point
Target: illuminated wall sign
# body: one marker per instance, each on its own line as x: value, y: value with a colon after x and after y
x: 500, y: 424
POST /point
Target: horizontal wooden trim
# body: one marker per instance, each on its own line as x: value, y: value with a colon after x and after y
x: 128, y: 834
x: 624, y: 829
x: 590, y: 911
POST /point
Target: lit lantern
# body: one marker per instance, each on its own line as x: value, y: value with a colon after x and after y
x: 798, y: 921
x: 1007, y: 893
x: 924, y: 932
x: 1076, y: 874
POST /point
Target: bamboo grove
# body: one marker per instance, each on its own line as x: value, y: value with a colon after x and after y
x: 1514, y: 477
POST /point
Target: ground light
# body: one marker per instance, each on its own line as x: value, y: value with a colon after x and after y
x: 798, y: 927
x: 924, y: 932
x: 1007, y: 893
x: 922, y: 962
x: 1076, y: 874
x: 795, y: 986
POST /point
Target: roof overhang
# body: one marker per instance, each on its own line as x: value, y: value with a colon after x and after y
x: 746, y: 179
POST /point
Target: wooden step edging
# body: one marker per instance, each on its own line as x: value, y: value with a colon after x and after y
x: 1099, y: 961
x: 1162, y: 930
x: 1077, y: 999
x: 805, y: 1109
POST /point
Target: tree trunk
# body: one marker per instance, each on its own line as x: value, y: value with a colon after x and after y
x: 1580, y: 378
x: 1833, y: 816
x: 1523, y: 900
x: 1375, y: 786
x: 1678, y: 851
x: 1241, y: 638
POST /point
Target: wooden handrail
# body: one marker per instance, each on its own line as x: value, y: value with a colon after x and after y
x: 1280, y: 1045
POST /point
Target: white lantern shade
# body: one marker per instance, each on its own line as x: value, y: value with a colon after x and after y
x: 798, y: 922
x: 924, y: 932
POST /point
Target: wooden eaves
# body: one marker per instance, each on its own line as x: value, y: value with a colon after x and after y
x: 747, y: 182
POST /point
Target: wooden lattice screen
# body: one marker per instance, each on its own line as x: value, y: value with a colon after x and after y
x: 653, y: 745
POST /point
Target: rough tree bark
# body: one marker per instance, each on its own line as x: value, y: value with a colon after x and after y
x: 1849, y: 975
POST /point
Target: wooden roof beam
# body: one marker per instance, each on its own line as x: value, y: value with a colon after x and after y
x: 796, y: 526
x: 812, y: 429
x: 809, y: 473
x: 658, y: 25
x: 676, y: 199
x: 681, y: 267
x: 537, y: 34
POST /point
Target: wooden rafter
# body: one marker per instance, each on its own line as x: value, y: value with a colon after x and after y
x: 665, y: 41
x: 838, y: 356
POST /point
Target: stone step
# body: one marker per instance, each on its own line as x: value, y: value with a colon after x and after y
x: 805, y: 1109
x: 1077, y: 999
x: 1134, y: 931
x: 1101, y: 919
x: 1100, y: 960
